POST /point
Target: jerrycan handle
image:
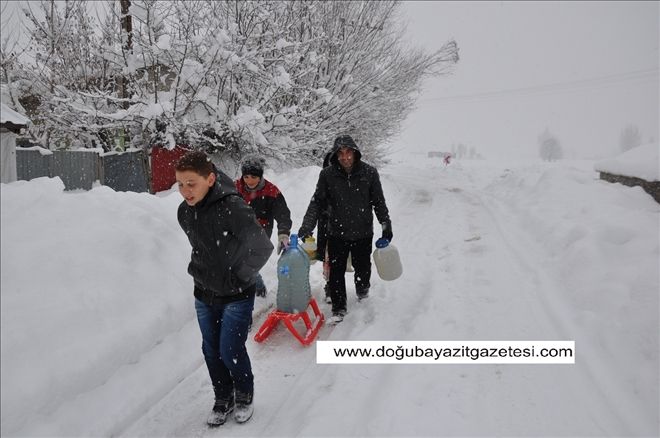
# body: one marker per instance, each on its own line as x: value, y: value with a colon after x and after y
x: 382, y: 242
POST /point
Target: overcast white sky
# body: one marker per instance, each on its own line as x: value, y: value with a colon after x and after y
x: 525, y: 66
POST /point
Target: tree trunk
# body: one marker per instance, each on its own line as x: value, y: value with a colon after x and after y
x: 127, y: 31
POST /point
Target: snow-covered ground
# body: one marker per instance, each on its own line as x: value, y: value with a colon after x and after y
x: 99, y: 336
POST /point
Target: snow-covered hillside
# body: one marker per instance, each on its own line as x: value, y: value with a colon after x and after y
x: 99, y: 336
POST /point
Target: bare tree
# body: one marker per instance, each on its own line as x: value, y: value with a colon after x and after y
x: 62, y: 64
x: 10, y: 51
x: 549, y: 146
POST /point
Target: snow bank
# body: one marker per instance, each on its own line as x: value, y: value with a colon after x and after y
x: 640, y: 162
x: 602, y: 242
x: 97, y: 305
x: 91, y: 282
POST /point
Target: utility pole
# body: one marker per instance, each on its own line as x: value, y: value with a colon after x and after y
x: 127, y: 49
x: 127, y: 45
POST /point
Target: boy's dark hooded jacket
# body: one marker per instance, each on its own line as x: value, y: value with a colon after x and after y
x: 347, y: 198
x: 229, y: 247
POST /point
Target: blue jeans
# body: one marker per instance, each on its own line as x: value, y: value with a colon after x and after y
x: 224, y: 332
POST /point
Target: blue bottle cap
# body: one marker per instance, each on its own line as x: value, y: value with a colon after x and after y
x: 382, y: 242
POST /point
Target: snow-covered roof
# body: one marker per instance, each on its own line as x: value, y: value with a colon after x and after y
x: 8, y: 115
x: 640, y: 162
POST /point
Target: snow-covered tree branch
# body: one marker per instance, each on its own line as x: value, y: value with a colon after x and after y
x: 234, y: 77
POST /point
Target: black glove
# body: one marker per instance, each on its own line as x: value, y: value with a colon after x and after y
x: 387, y: 231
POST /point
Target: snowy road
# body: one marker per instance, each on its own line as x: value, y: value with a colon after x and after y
x: 474, y: 269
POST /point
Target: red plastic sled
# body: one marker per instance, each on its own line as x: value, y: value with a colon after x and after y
x: 288, y: 319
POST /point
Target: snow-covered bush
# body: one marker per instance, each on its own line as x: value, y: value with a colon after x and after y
x: 233, y: 77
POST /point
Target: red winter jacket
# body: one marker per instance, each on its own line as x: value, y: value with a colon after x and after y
x: 268, y: 204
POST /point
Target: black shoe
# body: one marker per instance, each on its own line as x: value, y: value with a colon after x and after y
x: 221, y: 409
x: 244, y: 408
x: 362, y: 293
x: 337, y: 316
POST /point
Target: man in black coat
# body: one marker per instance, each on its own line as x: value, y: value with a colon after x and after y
x: 348, y: 189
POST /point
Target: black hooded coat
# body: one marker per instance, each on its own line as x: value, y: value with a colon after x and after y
x: 229, y: 246
x: 348, y: 199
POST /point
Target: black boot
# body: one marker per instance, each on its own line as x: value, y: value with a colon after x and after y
x: 221, y: 409
x: 362, y: 293
x: 337, y: 316
x: 244, y: 408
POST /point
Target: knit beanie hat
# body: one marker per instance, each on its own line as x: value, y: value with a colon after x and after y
x: 253, y: 165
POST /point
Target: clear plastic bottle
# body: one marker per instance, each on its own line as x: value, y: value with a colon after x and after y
x: 293, y: 291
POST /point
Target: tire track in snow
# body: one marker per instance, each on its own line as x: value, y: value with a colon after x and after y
x: 496, y: 297
x: 452, y: 288
x: 593, y: 376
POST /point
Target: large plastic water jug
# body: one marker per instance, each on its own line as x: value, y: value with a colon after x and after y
x: 387, y: 261
x: 293, y: 291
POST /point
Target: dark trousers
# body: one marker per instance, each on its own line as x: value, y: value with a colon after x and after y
x: 338, y: 251
x: 224, y: 332
x: 322, y: 237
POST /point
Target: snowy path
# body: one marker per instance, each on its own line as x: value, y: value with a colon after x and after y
x: 478, y: 278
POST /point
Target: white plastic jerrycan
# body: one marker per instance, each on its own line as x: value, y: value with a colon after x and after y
x: 309, y: 246
x: 387, y: 261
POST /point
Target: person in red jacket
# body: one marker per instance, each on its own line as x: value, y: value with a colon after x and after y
x: 267, y: 202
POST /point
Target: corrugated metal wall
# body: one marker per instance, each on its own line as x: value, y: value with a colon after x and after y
x: 77, y: 169
x: 31, y: 163
x: 127, y: 171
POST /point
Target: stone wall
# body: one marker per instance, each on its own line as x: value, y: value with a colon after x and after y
x: 650, y: 187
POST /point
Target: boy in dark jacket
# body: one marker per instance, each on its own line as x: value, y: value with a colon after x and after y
x: 268, y: 203
x: 348, y: 190
x: 228, y: 249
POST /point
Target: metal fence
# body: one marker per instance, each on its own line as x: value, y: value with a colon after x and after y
x: 33, y: 163
x: 77, y: 169
x: 127, y: 171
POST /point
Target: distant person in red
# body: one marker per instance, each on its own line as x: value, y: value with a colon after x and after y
x: 447, y: 159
